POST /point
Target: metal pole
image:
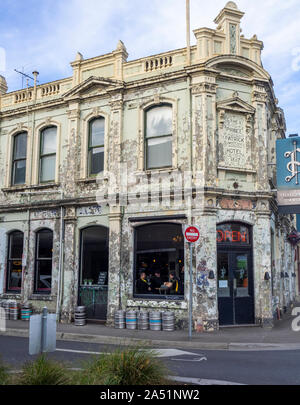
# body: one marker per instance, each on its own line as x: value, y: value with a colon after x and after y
x: 191, y: 292
x: 44, y: 329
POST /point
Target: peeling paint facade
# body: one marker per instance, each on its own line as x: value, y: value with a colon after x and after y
x: 225, y: 122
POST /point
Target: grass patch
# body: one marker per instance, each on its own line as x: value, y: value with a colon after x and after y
x: 43, y: 371
x: 132, y: 366
x: 4, y: 376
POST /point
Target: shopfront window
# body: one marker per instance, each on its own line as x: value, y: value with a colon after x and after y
x: 14, y: 264
x: 43, y: 261
x: 159, y: 261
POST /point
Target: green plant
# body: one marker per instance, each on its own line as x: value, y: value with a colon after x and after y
x: 4, y: 376
x: 43, y: 371
x: 132, y: 366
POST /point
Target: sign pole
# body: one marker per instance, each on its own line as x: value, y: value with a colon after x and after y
x: 191, y: 292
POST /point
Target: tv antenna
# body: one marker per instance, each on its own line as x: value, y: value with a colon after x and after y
x: 25, y: 75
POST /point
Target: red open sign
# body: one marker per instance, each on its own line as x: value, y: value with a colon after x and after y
x: 232, y: 233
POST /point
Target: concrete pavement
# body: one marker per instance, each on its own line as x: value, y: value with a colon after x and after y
x: 281, y: 337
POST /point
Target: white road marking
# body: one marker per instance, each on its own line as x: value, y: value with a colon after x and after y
x: 159, y: 352
x: 202, y: 381
x: 193, y: 360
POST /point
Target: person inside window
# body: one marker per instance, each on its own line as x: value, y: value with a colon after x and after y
x: 181, y: 281
x: 156, y: 282
x: 173, y: 283
x: 142, y: 285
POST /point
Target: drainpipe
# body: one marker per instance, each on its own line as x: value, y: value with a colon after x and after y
x: 61, y: 258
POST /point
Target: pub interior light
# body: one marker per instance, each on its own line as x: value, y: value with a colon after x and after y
x: 267, y: 276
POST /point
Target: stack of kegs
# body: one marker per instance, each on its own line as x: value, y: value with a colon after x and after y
x: 168, y: 321
x: 14, y: 311
x: 131, y: 319
x: 26, y: 312
x: 5, y: 306
x: 80, y: 316
x: 155, y: 320
x: 143, y: 320
x: 120, y: 320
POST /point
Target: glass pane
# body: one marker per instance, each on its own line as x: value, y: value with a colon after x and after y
x: 97, y: 132
x: 44, y: 275
x: 20, y: 146
x: 19, y: 172
x: 241, y: 284
x: 223, y: 275
x: 96, y: 158
x: 14, y: 281
x: 94, y: 261
x: 160, y: 260
x: 16, y: 245
x: 159, y: 152
x: 48, y: 141
x: 48, y: 168
x: 44, y: 243
x: 159, y: 121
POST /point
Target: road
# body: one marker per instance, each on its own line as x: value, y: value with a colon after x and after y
x: 244, y: 367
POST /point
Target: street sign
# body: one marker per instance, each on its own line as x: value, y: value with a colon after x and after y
x: 191, y: 234
x: 288, y: 175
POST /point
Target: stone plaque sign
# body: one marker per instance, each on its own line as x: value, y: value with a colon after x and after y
x: 234, y: 140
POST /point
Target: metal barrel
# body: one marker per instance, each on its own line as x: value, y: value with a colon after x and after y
x: 120, y: 322
x: 168, y: 321
x: 5, y: 306
x: 14, y: 311
x: 143, y: 320
x: 80, y: 316
x: 155, y: 320
x: 131, y: 319
x: 26, y: 312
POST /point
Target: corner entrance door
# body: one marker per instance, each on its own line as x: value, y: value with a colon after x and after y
x: 235, y: 287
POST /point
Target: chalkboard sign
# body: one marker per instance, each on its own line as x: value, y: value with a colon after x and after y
x: 102, y: 278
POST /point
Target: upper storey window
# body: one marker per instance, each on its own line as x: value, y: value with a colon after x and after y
x: 48, y: 154
x: 158, y: 140
x: 96, y: 146
x: 19, y: 159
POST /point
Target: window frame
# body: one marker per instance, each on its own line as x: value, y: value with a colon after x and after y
x: 45, y: 155
x: 146, y: 139
x: 156, y: 297
x: 90, y: 148
x: 16, y: 290
x: 15, y: 160
x: 36, y: 290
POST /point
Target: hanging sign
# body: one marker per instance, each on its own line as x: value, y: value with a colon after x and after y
x: 191, y: 234
x: 288, y: 175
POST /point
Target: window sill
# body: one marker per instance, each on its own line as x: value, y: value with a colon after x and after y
x: 10, y: 295
x: 158, y: 303
x: 93, y: 179
x: 14, y: 189
x: 41, y: 297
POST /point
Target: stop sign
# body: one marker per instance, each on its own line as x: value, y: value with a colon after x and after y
x: 191, y: 234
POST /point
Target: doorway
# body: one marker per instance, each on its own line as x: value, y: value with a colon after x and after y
x: 235, y: 275
x: 93, y: 277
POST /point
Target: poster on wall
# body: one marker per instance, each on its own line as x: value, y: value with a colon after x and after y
x: 288, y: 175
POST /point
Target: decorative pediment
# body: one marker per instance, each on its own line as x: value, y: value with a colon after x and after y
x: 92, y: 86
x: 236, y: 104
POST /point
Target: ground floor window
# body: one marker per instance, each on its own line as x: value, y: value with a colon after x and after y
x: 14, y: 262
x: 43, y: 261
x: 159, y: 261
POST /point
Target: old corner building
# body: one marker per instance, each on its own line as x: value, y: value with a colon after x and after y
x: 155, y: 116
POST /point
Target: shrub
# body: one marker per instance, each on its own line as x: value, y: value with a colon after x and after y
x: 4, y: 376
x: 43, y: 371
x: 133, y: 366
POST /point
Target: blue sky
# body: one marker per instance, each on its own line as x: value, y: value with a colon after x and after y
x: 45, y: 35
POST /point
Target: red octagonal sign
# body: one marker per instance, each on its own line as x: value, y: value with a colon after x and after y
x: 191, y: 234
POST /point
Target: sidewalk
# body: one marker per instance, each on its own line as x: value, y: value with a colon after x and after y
x: 235, y: 338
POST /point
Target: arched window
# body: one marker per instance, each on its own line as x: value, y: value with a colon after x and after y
x: 159, y: 260
x: 48, y: 154
x: 158, y: 137
x: 96, y: 146
x: 43, y: 261
x: 18, y: 175
x: 14, y: 262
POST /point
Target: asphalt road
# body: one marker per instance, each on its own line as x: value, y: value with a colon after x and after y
x: 246, y: 367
